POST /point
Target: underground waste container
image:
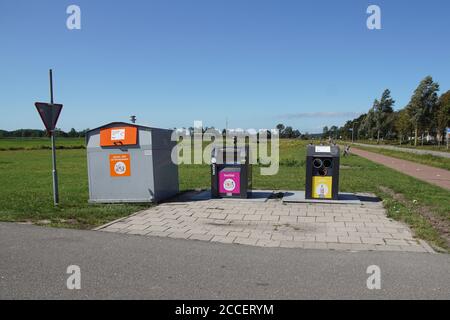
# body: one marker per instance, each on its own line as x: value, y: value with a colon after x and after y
x: 322, y: 172
x: 231, y: 172
x: 130, y: 163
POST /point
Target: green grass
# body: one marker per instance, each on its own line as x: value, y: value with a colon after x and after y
x: 27, y: 187
x: 27, y: 190
x: 40, y: 143
x: 427, y: 159
x: 422, y: 228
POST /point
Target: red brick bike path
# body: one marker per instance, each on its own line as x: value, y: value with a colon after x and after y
x: 436, y: 176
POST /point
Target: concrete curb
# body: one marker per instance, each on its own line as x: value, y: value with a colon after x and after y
x: 426, y: 246
x: 117, y: 220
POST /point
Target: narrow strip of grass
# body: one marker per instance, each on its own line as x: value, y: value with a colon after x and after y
x: 41, y: 148
x: 13, y: 144
x: 421, y: 227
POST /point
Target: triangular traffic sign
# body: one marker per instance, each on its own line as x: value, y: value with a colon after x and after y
x: 49, y: 114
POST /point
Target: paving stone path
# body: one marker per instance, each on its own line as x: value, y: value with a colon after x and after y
x: 275, y: 224
x: 442, y: 154
x: 436, y: 176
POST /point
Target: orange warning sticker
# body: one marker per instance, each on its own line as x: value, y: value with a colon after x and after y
x: 119, y: 165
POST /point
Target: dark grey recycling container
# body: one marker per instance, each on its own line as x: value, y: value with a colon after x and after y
x: 322, y: 172
x: 231, y: 172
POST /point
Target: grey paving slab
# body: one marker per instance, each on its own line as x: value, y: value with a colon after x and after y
x: 271, y: 222
x: 257, y: 195
x: 299, y: 196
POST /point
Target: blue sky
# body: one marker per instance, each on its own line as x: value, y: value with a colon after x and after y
x: 256, y: 62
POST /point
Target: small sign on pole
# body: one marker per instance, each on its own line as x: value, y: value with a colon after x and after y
x: 49, y: 113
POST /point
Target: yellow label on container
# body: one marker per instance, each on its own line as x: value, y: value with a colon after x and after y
x: 322, y: 187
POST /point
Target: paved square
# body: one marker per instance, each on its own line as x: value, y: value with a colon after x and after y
x: 275, y: 224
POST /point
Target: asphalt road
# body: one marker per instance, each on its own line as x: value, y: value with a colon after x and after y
x: 33, y: 263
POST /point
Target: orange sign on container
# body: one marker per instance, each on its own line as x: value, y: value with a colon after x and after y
x: 119, y: 165
x: 119, y: 136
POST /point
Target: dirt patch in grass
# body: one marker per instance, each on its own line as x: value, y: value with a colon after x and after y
x: 440, y: 224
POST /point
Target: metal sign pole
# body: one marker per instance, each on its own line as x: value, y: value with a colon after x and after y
x: 49, y: 113
x: 52, y: 135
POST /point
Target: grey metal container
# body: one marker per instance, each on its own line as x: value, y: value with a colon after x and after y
x: 150, y: 175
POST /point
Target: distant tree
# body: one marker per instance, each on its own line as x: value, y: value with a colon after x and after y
x: 403, y: 125
x: 82, y: 133
x: 377, y: 118
x: 356, y: 125
x: 382, y: 110
x: 346, y: 130
x: 280, y: 127
x: 72, y: 133
x: 422, y: 106
x: 60, y: 133
x: 325, y: 132
x: 386, y: 102
x: 334, y: 131
x: 368, y: 125
x: 443, y: 115
x: 296, y: 134
x: 287, y: 132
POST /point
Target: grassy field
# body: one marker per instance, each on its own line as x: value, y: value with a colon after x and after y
x: 426, y: 159
x: 39, y: 143
x: 27, y: 188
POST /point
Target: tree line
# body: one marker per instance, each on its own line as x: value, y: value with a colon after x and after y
x: 427, y: 115
x: 35, y: 133
x: 285, y: 132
